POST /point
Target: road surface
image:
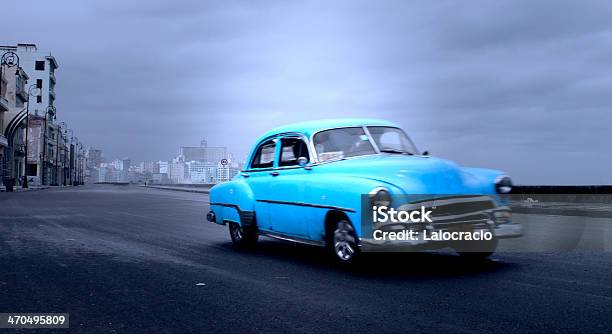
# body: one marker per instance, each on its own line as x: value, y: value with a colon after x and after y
x: 127, y: 259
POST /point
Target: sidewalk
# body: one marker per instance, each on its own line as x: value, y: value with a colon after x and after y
x: 185, y: 189
x: 20, y: 189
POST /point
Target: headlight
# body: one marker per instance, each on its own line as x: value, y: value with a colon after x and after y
x: 380, y: 196
x: 503, y: 184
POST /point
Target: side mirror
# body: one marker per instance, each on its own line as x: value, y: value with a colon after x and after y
x: 425, y: 153
x: 302, y: 161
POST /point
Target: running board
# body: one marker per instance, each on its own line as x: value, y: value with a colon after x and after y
x: 292, y: 239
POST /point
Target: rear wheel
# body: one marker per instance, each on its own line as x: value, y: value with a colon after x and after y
x: 242, y: 237
x: 343, y: 242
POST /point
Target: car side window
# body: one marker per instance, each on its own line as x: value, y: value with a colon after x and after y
x: 264, y: 157
x: 291, y: 150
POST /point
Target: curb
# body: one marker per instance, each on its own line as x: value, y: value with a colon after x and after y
x: 178, y: 189
x: 20, y: 190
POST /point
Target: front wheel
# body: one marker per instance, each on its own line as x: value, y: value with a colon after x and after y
x: 242, y: 237
x: 343, y: 242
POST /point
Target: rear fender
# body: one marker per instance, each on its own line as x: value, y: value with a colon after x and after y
x: 233, y: 201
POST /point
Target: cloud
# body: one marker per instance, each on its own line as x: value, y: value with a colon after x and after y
x: 518, y: 86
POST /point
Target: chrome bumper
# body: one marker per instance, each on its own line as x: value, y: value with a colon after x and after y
x: 210, y: 216
x: 508, y: 230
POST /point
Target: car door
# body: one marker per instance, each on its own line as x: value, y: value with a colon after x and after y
x: 289, y: 210
x: 259, y: 178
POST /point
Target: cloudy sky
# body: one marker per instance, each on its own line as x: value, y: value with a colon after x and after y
x: 522, y: 86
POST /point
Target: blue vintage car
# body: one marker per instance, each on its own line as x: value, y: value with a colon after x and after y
x: 311, y: 183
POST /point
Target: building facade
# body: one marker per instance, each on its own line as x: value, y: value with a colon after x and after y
x: 94, y: 158
x: 13, y: 99
x: 44, y: 168
x: 204, y: 153
x: 34, y: 147
x: 202, y: 172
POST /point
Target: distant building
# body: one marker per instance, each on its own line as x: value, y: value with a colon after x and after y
x: 102, y: 174
x: 178, y: 172
x: 163, y: 167
x: 94, y: 158
x: 203, y: 153
x: 121, y: 164
x: 202, y: 172
x: 126, y: 163
x: 149, y: 167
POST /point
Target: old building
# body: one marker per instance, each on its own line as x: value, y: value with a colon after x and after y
x: 202, y: 172
x: 35, y: 101
x: 204, y: 153
x: 13, y: 115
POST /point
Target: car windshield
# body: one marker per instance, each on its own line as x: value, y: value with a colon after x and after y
x: 342, y: 143
x: 392, y: 140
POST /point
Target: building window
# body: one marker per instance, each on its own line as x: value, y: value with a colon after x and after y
x: 39, y: 99
x: 39, y: 83
x: 40, y: 65
x: 32, y: 170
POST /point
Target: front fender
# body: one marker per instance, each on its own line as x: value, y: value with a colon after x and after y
x: 343, y: 193
x: 481, y: 179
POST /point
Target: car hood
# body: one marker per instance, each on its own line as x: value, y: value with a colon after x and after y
x: 417, y: 174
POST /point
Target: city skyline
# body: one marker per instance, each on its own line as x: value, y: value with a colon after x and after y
x: 201, y: 164
x: 168, y: 157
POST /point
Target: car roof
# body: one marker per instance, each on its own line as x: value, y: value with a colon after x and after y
x: 310, y: 127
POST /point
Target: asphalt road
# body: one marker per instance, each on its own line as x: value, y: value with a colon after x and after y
x: 126, y: 259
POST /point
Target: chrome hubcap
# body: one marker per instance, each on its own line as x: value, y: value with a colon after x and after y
x: 344, y: 241
x: 236, y: 232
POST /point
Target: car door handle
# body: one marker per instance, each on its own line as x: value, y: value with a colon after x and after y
x: 274, y: 173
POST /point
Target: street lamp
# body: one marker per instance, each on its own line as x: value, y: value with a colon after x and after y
x: 31, y: 89
x: 79, y: 163
x: 49, y: 111
x: 75, y: 155
x: 66, y: 149
x: 82, y: 165
x: 9, y: 59
x: 71, y: 168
